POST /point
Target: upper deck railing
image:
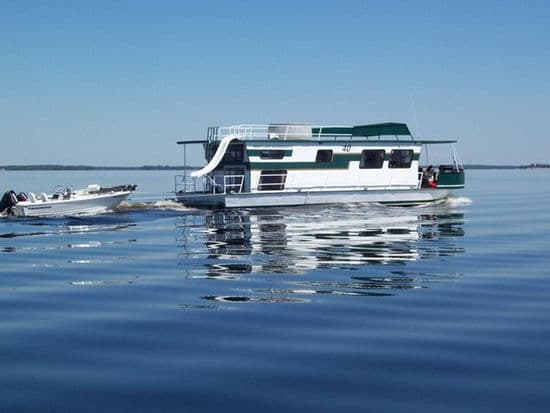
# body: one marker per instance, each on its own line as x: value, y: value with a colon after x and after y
x: 281, y: 131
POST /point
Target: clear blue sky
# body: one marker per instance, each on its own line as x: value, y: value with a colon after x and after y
x: 119, y: 82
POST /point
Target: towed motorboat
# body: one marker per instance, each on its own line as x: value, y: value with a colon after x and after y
x: 93, y: 199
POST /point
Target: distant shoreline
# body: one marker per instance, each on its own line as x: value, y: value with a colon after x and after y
x: 180, y: 168
x: 530, y: 166
x: 91, y: 168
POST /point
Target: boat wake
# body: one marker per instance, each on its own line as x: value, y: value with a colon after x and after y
x: 132, y: 206
x: 162, y: 205
x: 457, y: 201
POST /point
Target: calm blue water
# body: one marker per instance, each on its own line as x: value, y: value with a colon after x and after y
x: 161, y: 309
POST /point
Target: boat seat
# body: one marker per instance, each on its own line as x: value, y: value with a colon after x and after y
x: 43, y: 197
x: 93, y: 188
x: 32, y: 197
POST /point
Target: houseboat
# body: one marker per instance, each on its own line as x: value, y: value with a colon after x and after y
x: 296, y: 164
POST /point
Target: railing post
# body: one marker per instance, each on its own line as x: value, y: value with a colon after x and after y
x: 185, y: 164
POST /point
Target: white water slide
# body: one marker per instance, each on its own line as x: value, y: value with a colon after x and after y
x: 217, y: 158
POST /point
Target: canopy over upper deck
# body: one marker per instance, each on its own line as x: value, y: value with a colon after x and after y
x: 376, y: 129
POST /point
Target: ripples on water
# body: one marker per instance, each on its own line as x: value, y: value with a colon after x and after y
x: 355, y: 308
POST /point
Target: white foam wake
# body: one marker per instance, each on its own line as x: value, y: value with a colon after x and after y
x: 163, y: 205
x: 458, y: 201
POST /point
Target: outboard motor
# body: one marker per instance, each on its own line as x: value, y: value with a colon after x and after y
x: 8, y: 201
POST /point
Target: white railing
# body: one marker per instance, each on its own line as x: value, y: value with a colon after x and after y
x: 233, y: 183
x: 183, y: 183
x: 273, y: 131
x: 206, y: 184
x: 244, y: 132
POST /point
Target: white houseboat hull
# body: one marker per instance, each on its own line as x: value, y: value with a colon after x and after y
x: 263, y: 199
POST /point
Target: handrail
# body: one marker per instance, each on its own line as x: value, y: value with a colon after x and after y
x: 238, y: 184
x: 207, y: 184
x: 261, y: 132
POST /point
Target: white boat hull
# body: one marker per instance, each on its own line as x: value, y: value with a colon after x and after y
x: 83, y: 205
x: 273, y: 199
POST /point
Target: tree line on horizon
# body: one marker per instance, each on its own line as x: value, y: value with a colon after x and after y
x: 47, y: 167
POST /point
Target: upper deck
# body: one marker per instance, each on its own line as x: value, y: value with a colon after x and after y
x: 379, y: 132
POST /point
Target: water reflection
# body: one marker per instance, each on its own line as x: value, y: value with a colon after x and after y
x: 36, y: 234
x: 233, y: 243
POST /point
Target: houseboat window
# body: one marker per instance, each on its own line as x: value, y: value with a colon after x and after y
x: 272, y: 180
x: 272, y: 154
x: 324, y: 156
x: 401, y: 158
x: 372, y: 159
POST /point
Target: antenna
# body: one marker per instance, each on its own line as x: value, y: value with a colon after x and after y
x: 414, y: 114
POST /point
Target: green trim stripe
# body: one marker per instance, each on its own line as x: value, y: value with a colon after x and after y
x: 381, y: 129
x: 339, y: 161
x: 257, y: 152
x: 332, y: 130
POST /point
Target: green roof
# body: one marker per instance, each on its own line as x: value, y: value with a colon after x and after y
x: 381, y: 129
x: 332, y: 130
x: 376, y: 129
